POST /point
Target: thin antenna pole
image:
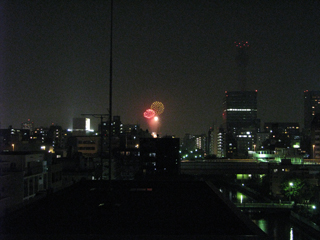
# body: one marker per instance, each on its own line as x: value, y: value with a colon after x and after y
x: 110, y: 91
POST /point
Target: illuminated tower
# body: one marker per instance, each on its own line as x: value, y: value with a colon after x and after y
x: 242, y: 60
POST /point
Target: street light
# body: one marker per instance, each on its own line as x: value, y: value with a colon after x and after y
x: 291, y: 185
x: 313, y: 150
x: 12, y: 147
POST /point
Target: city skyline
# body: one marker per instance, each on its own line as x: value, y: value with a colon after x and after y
x: 54, y: 62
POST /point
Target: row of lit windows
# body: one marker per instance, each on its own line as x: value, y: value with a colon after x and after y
x: 244, y: 136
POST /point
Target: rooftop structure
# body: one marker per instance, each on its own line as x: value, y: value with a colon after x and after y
x: 133, y: 210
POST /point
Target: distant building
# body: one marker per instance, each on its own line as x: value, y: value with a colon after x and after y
x: 315, y: 137
x: 81, y: 126
x: 56, y: 137
x: 240, y: 122
x: 289, y: 128
x: 188, y: 142
x: 126, y: 163
x: 116, y: 125
x: 212, y: 141
x: 89, y: 146
x: 201, y: 142
x: 40, y: 135
x: 194, y: 147
x: 221, y: 141
x: 261, y: 138
x: 311, y: 107
x: 159, y: 156
x: 11, y: 139
x: 283, y: 134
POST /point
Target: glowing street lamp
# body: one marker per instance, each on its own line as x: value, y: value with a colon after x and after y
x: 12, y: 147
x: 313, y: 150
x: 291, y: 185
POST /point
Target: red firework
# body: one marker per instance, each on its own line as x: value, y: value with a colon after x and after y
x: 149, y: 113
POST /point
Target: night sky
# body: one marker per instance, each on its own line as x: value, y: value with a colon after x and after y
x: 54, y: 59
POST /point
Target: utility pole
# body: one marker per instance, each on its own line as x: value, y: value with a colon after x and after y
x: 110, y: 93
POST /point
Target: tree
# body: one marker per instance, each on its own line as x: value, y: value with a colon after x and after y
x: 293, y: 189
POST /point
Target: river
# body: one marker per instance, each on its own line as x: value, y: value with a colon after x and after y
x: 276, y: 225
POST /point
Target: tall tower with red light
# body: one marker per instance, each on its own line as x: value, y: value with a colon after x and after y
x: 242, y: 60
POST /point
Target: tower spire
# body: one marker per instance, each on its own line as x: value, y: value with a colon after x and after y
x: 242, y: 60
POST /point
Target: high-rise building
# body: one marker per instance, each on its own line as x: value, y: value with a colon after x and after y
x: 221, y: 138
x: 201, y: 142
x: 240, y: 122
x: 311, y: 107
x: 212, y: 142
x: 56, y: 136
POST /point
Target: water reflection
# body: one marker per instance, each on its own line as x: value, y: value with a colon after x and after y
x: 236, y: 196
x: 275, y: 224
x: 278, y: 226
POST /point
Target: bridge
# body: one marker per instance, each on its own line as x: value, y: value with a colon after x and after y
x: 204, y: 167
x: 263, y: 206
x: 234, y: 166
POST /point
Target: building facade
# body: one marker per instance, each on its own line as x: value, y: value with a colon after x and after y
x: 159, y: 156
x: 240, y: 122
x: 311, y: 107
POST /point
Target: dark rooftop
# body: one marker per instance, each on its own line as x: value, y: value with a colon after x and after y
x: 132, y: 210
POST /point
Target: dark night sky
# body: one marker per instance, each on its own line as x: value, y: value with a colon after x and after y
x: 55, y: 59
